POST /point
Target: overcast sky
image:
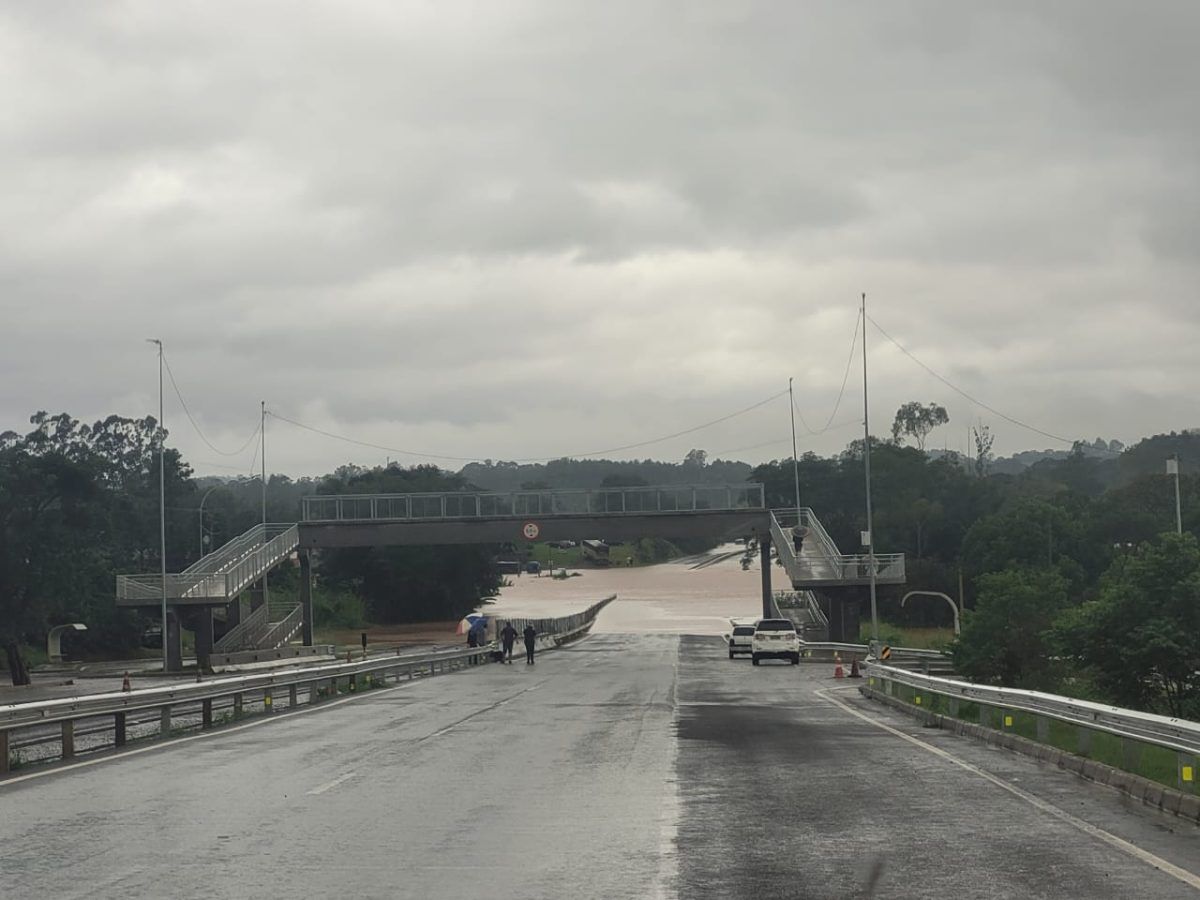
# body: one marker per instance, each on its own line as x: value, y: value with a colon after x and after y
x: 528, y: 229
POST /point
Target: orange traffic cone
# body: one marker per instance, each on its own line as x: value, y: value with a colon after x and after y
x: 838, y: 671
x: 854, y: 673
x: 125, y: 685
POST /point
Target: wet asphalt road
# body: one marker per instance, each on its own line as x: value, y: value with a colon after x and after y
x: 622, y: 767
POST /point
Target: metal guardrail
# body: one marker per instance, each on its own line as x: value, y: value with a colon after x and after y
x: 1174, y: 734
x: 518, y: 504
x: 315, y: 681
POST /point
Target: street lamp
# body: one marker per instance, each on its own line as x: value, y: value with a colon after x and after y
x: 202, y: 499
x: 946, y: 597
x: 162, y: 500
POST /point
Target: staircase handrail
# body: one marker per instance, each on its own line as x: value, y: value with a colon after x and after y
x: 252, y: 566
x: 245, y: 633
x: 281, y: 632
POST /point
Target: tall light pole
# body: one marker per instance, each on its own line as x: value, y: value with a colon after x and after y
x: 202, y: 501
x: 867, y: 470
x: 795, y: 464
x: 162, y: 500
x: 262, y: 428
x: 1173, y: 469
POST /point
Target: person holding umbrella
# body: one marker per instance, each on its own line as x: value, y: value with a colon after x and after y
x: 508, y: 637
x: 530, y: 635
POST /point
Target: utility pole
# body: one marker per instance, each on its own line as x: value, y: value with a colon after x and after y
x: 1173, y: 469
x: 162, y: 500
x: 795, y: 463
x: 262, y: 429
x: 867, y: 471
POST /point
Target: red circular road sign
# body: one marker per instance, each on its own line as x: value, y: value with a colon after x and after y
x: 531, y: 531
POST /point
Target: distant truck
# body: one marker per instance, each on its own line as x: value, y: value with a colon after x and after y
x: 596, y: 552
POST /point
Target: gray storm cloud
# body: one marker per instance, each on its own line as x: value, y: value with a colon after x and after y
x: 514, y: 230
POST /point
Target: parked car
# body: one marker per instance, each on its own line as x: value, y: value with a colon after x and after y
x: 775, y: 639
x: 152, y: 636
x: 741, y: 640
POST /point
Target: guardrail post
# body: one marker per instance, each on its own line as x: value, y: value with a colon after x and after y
x: 164, y: 721
x: 292, y: 697
x: 206, y: 713
x: 1131, y: 753
x: 1043, y: 730
x: 333, y: 687
x: 3, y: 752
x: 68, y: 738
x: 119, y: 729
x: 267, y: 699
x: 1085, y: 741
x: 1186, y: 777
x: 238, y: 703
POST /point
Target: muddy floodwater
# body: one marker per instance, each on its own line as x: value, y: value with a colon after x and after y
x: 695, y: 595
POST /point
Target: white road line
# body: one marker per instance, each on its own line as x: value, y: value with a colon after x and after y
x: 329, y: 785
x: 1189, y: 878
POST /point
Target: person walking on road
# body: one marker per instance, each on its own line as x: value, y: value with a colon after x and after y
x: 530, y: 636
x: 508, y: 637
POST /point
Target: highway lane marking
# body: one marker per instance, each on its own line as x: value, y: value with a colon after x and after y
x: 480, y: 712
x: 1189, y: 878
x: 205, y: 735
x: 330, y: 785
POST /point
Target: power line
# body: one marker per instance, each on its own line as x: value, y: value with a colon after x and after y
x: 841, y: 391
x: 976, y: 401
x: 187, y: 412
x: 530, y: 459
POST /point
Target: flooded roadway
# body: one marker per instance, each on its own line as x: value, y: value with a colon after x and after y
x: 689, y: 596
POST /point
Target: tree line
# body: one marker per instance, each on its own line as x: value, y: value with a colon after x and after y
x: 1072, y: 577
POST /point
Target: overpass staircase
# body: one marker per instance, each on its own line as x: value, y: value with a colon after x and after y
x: 217, y: 580
x: 820, y: 564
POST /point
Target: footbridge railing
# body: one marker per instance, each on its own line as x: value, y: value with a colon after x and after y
x: 819, y: 562
x: 518, y: 504
x: 218, y: 577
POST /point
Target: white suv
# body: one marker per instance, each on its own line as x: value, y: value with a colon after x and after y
x: 775, y: 639
x: 741, y: 639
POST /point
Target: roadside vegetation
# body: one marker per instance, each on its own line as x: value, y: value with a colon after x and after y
x: 1071, y: 577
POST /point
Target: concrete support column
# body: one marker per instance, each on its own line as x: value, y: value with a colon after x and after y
x: 306, y: 606
x: 204, y: 638
x: 764, y: 552
x: 174, y: 642
x: 843, y: 616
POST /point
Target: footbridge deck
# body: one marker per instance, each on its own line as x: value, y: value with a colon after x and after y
x: 356, y: 520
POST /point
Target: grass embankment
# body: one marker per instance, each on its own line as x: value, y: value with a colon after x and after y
x: 379, y: 636
x: 904, y: 636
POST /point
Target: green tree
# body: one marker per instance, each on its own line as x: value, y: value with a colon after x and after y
x: 916, y: 421
x: 1140, y: 638
x: 1004, y: 638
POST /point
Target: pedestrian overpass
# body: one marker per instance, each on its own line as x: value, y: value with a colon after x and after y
x: 716, y: 512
